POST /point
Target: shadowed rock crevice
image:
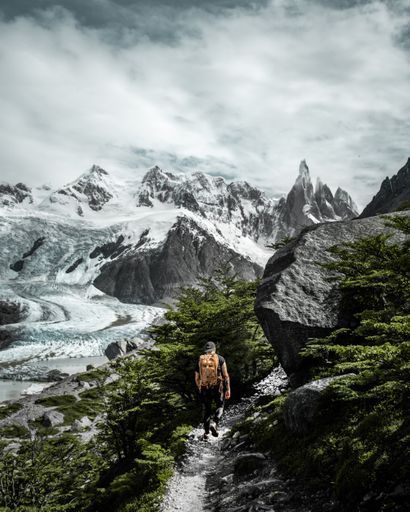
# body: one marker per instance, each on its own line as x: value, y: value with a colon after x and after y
x: 72, y: 267
x: 38, y: 243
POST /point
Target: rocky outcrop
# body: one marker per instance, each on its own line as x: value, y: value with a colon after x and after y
x: 153, y: 275
x: 301, y: 404
x: 306, y: 206
x: 245, y: 206
x: 10, y: 313
x: 53, y: 418
x: 393, y: 194
x: 10, y: 195
x: 81, y: 424
x: 296, y: 300
x: 121, y: 348
x: 92, y: 189
x: 238, y: 203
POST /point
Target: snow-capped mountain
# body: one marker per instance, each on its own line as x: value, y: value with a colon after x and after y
x: 140, y: 240
x: 305, y: 205
x: 90, y: 191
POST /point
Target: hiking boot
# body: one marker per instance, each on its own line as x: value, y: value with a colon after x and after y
x: 214, y: 429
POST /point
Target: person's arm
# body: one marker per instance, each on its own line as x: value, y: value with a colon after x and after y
x: 198, y: 380
x: 225, y: 376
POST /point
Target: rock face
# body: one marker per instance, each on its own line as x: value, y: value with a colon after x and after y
x: 306, y: 206
x: 394, y: 192
x: 93, y: 189
x: 11, y: 195
x: 302, y: 403
x: 188, y: 251
x: 81, y: 424
x: 121, y: 348
x: 53, y: 418
x: 295, y: 300
x: 236, y: 203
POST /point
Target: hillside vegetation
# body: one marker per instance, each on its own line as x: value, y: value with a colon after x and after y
x: 146, y: 413
x: 359, y: 443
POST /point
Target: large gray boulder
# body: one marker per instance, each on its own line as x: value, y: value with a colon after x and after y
x: 301, y: 404
x: 296, y: 300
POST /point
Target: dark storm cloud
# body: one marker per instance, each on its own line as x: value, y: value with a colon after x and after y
x: 159, y: 20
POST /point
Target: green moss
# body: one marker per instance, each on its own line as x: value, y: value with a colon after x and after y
x: 8, y: 410
x: 56, y: 400
x: 92, y: 394
x: 12, y: 431
x: 405, y: 205
x: 41, y: 430
x: 81, y: 408
x: 97, y: 374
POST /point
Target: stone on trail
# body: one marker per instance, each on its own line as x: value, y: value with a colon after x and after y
x: 247, y: 463
x: 302, y: 403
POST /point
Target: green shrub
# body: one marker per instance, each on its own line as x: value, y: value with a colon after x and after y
x: 9, y: 409
x: 56, y: 400
x: 14, y: 431
x: 361, y: 428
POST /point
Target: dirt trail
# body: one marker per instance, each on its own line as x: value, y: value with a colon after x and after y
x: 188, y: 490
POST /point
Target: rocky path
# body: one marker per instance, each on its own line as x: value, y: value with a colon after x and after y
x: 198, y: 483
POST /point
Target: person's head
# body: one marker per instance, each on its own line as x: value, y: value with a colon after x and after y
x: 209, y: 347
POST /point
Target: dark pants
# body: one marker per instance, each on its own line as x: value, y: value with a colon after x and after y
x: 209, y: 397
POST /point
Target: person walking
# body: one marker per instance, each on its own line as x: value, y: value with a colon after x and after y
x: 212, y: 381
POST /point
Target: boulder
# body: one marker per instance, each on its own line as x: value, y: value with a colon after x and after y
x: 53, y: 418
x: 121, y: 348
x: 296, y: 300
x: 247, y: 463
x: 116, y: 349
x: 81, y: 424
x: 56, y: 376
x: 301, y: 404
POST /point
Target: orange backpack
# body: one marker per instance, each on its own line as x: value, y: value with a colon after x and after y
x: 208, y: 370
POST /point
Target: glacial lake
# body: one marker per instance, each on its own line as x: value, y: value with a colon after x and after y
x: 15, y: 389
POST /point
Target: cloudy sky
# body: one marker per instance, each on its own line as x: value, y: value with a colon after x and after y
x: 239, y: 88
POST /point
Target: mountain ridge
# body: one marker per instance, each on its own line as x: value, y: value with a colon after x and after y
x: 154, y: 234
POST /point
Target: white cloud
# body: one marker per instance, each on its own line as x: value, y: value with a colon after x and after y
x: 245, y: 93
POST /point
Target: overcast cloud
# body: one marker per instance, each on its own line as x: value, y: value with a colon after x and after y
x: 240, y: 89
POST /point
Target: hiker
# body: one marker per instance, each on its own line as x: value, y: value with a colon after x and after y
x: 212, y: 380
